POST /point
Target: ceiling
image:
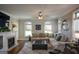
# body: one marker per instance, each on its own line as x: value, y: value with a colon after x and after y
x: 31, y: 10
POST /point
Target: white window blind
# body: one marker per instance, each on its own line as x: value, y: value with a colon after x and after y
x: 48, y: 27
x: 28, y: 29
x: 76, y: 25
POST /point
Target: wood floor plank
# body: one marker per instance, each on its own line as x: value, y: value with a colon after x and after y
x: 17, y: 48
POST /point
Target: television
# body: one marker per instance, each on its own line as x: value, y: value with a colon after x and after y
x: 3, y: 19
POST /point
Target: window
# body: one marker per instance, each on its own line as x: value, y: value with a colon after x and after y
x: 77, y: 14
x: 48, y: 27
x: 76, y: 25
x: 76, y: 28
x: 28, y: 29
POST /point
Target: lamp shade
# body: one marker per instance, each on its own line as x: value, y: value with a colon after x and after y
x: 77, y: 35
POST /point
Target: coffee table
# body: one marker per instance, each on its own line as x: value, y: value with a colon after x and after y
x: 39, y: 45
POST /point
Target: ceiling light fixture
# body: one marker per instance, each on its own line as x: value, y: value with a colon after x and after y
x: 40, y: 16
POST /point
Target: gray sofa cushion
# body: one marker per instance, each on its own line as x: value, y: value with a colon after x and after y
x: 58, y: 38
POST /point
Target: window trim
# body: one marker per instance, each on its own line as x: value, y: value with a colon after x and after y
x: 47, y: 29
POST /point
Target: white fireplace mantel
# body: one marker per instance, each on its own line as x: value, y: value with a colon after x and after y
x: 6, y: 36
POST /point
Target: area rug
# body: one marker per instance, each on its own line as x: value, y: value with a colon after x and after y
x: 27, y: 49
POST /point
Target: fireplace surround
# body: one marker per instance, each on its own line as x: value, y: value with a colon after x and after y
x: 7, y: 41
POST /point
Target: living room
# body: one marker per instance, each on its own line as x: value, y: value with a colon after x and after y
x: 41, y: 29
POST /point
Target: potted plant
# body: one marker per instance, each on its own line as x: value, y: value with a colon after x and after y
x: 4, y: 29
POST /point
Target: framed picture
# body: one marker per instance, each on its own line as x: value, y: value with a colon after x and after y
x: 38, y: 27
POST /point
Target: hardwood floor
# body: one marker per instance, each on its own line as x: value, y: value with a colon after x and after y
x: 17, y: 48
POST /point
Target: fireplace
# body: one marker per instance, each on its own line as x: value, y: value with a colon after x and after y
x: 7, y: 41
x: 11, y: 42
x: 1, y: 42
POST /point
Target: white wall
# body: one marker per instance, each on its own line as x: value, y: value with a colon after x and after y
x: 69, y: 18
x: 69, y: 32
x: 16, y: 29
x: 34, y: 22
x: 21, y: 29
x: 54, y: 26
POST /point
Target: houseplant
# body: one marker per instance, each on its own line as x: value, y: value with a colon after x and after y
x: 4, y: 29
